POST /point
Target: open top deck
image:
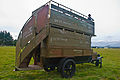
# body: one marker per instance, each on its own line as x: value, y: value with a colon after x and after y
x: 61, y: 16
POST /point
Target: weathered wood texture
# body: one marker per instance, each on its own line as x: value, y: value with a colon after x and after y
x: 24, y: 57
x: 62, y: 43
x: 60, y: 32
x: 33, y: 32
x: 64, y: 38
x: 71, y: 23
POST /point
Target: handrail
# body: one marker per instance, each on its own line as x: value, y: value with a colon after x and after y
x: 69, y: 9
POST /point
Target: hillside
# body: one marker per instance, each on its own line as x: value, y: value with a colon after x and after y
x: 106, y: 44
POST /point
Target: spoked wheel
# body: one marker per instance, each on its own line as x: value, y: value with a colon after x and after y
x: 49, y: 68
x: 68, y: 68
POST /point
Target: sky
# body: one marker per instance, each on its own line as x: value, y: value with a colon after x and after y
x: 106, y: 13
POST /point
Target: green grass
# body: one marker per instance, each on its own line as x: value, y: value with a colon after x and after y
x: 87, y: 71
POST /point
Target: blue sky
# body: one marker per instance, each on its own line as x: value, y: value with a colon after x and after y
x: 106, y: 13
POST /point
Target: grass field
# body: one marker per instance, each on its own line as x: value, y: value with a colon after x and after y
x: 87, y: 71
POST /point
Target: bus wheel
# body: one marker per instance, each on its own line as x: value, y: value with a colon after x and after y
x: 68, y: 68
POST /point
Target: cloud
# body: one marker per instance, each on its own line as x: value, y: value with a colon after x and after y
x: 14, y: 13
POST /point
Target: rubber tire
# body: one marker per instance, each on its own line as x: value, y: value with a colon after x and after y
x: 71, y: 70
x: 60, y: 64
x: 48, y: 69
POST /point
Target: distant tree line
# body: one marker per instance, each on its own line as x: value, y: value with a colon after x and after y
x: 6, y: 39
